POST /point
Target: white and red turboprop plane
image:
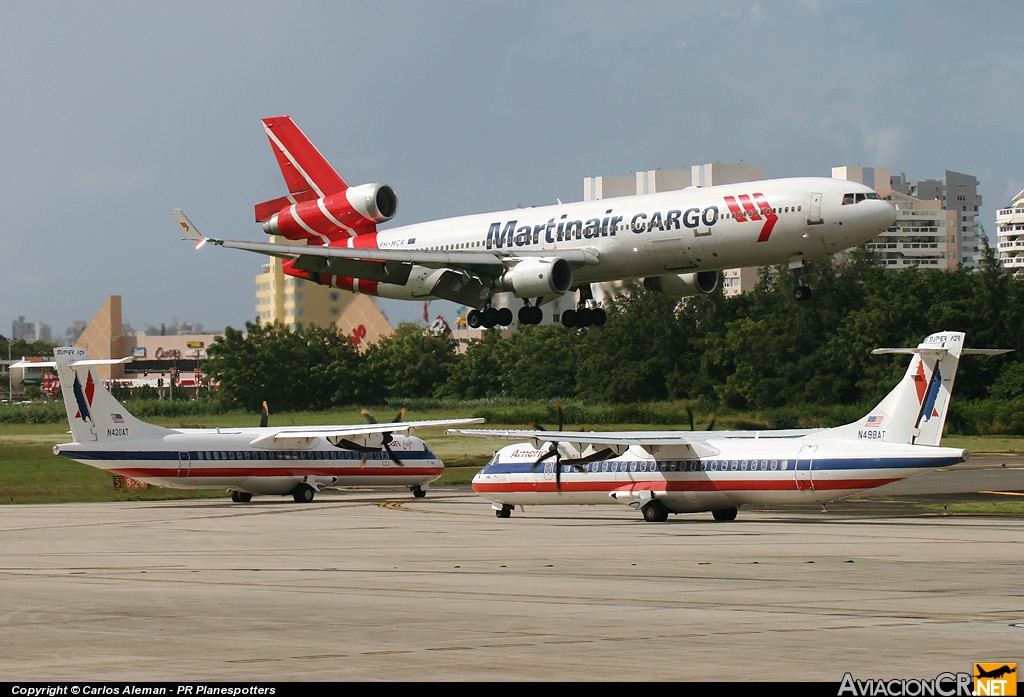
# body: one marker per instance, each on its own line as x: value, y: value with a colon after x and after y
x: 299, y: 460
x: 664, y: 472
x: 676, y: 241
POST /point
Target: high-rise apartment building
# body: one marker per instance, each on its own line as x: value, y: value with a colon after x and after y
x: 1010, y: 234
x: 956, y: 192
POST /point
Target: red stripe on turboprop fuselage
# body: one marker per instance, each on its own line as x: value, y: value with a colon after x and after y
x: 695, y: 486
x: 351, y: 471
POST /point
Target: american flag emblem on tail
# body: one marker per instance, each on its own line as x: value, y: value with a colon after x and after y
x: 117, y: 418
x: 874, y: 422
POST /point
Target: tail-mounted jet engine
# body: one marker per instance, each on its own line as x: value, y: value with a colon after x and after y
x: 354, y: 211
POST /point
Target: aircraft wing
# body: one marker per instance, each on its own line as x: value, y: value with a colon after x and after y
x: 346, y: 260
x: 363, y: 435
x: 680, y: 444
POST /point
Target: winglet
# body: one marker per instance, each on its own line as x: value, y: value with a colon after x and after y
x: 188, y: 230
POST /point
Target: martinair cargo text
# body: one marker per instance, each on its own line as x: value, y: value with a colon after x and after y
x: 677, y: 242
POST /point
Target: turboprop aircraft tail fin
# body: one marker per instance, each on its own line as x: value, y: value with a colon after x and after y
x: 915, y: 410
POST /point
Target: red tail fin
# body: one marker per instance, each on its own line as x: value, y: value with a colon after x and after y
x: 305, y: 170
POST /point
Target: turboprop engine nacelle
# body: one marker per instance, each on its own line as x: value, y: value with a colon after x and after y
x: 351, y: 212
x: 537, y: 278
x: 683, y: 285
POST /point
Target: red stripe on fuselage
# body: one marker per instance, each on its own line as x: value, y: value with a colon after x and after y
x: 352, y: 471
x: 696, y: 486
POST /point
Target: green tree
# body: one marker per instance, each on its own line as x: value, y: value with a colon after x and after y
x: 634, y: 356
x: 410, y: 363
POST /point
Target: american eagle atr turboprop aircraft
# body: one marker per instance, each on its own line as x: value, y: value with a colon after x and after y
x: 676, y: 241
x: 299, y: 460
x: 666, y: 472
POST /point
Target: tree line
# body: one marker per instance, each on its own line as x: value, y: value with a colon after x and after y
x: 758, y: 350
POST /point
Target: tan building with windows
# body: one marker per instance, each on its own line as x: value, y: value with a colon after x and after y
x: 298, y: 303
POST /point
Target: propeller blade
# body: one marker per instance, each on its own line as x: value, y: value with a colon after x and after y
x: 561, y: 416
x: 551, y: 452
x: 400, y: 416
x: 391, y: 454
x: 592, y: 457
x: 689, y: 413
x: 368, y: 415
x: 711, y: 424
x: 264, y: 416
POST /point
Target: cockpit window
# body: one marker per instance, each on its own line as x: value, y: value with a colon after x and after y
x: 858, y: 197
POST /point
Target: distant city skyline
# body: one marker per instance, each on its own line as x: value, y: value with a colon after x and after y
x: 126, y: 110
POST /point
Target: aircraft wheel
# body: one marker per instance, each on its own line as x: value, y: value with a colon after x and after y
x: 655, y: 511
x: 473, y: 319
x: 504, y: 317
x: 599, y: 317
x: 240, y: 497
x: 584, y: 317
x: 536, y: 315
x: 304, y: 493
x: 725, y: 514
x: 569, y: 318
x: 490, y: 317
x: 503, y: 512
x: 525, y: 315
x: 419, y: 492
x: 802, y: 293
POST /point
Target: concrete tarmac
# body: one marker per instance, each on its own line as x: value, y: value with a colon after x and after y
x: 378, y: 586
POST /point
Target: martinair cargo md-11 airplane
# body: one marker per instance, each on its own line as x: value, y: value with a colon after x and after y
x: 676, y: 241
x: 299, y: 460
x: 666, y: 472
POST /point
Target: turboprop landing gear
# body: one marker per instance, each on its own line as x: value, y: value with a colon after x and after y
x: 504, y: 512
x: 418, y: 491
x: 303, y: 493
x: 585, y: 315
x: 241, y: 497
x: 489, y: 317
x: 725, y: 514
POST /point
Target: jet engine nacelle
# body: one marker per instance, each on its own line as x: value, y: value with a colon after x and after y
x: 353, y: 211
x: 536, y: 278
x: 683, y: 285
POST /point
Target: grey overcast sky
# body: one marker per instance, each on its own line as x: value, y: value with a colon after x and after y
x: 115, y: 112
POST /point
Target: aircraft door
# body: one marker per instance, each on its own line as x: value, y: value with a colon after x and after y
x: 184, y: 464
x: 804, y: 465
x: 814, y: 211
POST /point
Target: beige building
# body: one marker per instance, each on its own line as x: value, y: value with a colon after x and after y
x: 298, y: 303
x: 925, y: 232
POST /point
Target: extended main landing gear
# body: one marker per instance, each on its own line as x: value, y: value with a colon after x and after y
x: 489, y: 317
x: 418, y: 491
x: 584, y: 315
x: 241, y: 497
x: 504, y: 512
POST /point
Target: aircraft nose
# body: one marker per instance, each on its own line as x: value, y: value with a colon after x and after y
x: 888, y: 215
